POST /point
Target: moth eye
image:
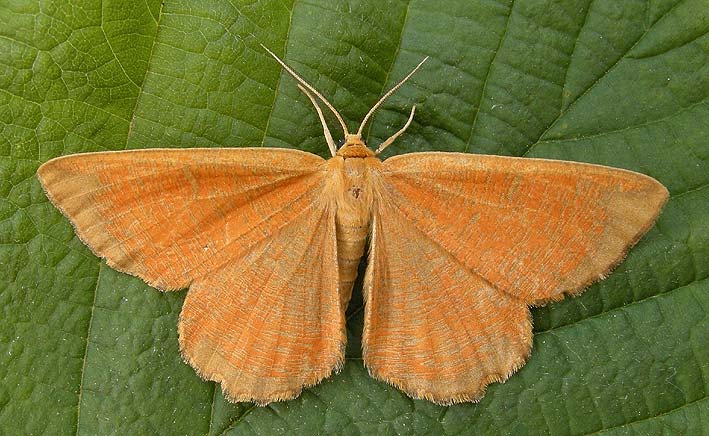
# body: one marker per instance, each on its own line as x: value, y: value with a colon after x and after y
x: 340, y: 143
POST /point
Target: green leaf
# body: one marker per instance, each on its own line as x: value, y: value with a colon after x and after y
x: 86, y: 350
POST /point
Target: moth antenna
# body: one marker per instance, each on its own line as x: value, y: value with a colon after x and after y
x: 309, y: 88
x: 391, y: 139
x: 385, y: 96
x: 328, y: 136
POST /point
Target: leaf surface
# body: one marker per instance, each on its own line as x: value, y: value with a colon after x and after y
x: 86, y: 350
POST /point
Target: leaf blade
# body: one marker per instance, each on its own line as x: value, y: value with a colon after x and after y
x: 569, y: 93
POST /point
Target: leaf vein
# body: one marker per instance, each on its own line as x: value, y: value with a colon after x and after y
x: 624, y: 129
x: 621, y: 308
x: 145, y: 76
x: 667, y: 412
x: 571, y: 55
x: 593, y: 85
x: 393, y: 62
x: 487, y: 77
x: 86, y: 351
x: 280, y: 75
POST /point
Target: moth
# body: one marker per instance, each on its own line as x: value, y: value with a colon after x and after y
x: 269, y: 240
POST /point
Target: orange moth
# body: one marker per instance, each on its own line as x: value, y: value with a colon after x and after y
x: 268, y: 242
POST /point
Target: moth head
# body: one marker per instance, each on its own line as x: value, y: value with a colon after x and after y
x: 350, y: 140
x: 354, y: 146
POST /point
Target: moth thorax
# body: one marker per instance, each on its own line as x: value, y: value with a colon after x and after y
x: 355, y: 194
